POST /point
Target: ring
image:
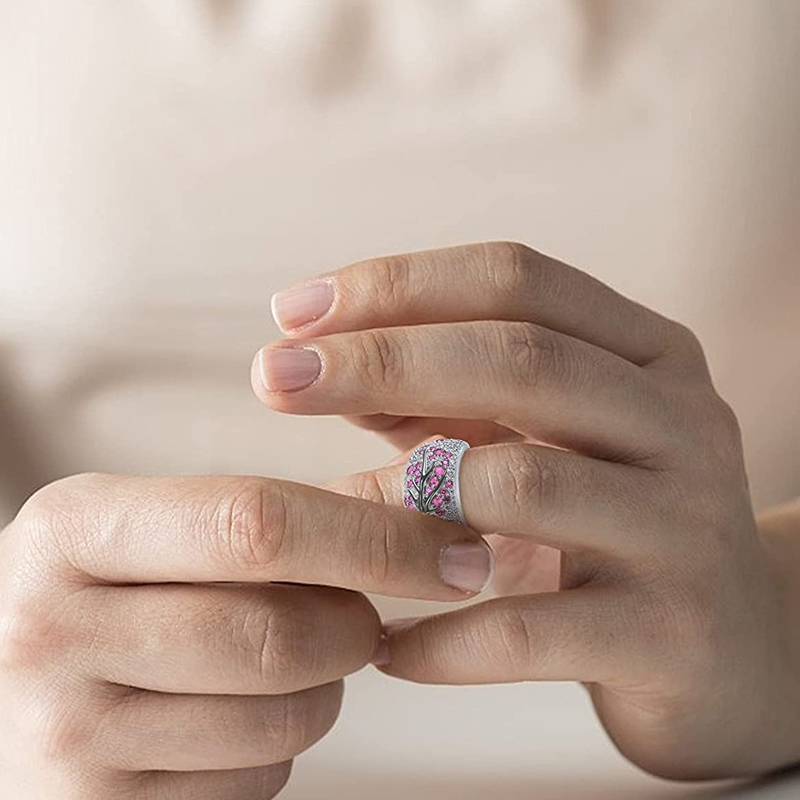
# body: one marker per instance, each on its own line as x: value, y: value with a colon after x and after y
x: 430, y: 484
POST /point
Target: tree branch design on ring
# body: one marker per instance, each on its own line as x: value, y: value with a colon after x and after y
x: 429, y: 488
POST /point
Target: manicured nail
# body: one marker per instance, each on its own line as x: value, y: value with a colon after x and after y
x: 301, y: 305
x: 287, y: 369
x: 468, y: 566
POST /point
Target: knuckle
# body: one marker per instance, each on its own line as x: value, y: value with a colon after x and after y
x: 250, y: 525
x: 282, y: 642
x: 533, y: 481
x: 30, y: 634
x: 716, y: 424
x: 509, y: 267
x: 390, y: 279
x: 724, y: 422
x: 687, y: 343
x: 47, y: 510
x: 368, y: 486
x: 530, y: 352
x: 379, y: 360
x: 284, y: 728
x: 302, y: 720
x: 53, y: 521
x: 505, y: 639
x: 24, y: 636
x: 384, y: 547
x: 59, y: 734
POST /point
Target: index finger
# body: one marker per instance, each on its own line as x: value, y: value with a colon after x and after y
x: 219, y: 529
x: 487, y: 281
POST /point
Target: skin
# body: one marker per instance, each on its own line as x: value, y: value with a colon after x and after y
x: 605, y: 469
x: 170, y: 638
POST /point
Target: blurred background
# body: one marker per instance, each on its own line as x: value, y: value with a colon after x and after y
x: 165, y: 165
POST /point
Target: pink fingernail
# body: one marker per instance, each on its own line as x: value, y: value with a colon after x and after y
x: 468, y: 566
x: 301, y: 305
x: 288, y: 369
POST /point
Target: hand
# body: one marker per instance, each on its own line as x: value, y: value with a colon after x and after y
x: 151, y: 647
x: 616, y: 450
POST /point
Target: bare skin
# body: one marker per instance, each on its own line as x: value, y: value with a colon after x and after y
x: 600, y: 438
x: 187, y: 637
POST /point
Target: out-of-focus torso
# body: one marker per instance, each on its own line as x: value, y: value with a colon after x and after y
x: 165, y: 165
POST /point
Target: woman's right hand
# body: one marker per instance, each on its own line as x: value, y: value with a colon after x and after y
x: 153, y: 643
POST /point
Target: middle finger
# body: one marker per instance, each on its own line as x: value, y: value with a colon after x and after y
x: 543, y: 384
x: 226, y: 640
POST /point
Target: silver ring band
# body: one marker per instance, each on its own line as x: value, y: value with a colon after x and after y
x: 430, y: 483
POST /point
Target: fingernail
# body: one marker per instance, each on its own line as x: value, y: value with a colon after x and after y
x: 468, y: 566
x: 382, y: 657
x: 287, y: 369
x: 301, y: 305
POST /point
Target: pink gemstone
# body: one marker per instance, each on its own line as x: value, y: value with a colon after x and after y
x: 449, y: 484
x: 410, y: 484
x: 428, y: 490
x: 439, y: 471
x: 438, y: 451
x: 437, y: 501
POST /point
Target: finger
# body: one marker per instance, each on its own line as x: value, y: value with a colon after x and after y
x: 161, y: 530
x: 484, y: 281
x: 554, y: 497
x: 580, y: 635
x: 186, y: 733
x: 260, y: 783
x: 221, y: 640
x: 542, y: 384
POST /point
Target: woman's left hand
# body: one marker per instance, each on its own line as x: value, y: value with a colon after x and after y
x: 600, y: 436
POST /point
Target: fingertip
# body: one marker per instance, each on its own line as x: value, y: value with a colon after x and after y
x: 256, y: 379
x: 281, y: 371
x: 299, y: 307
x: 382, y: 655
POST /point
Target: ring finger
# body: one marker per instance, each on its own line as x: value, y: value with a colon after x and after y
x: 554, y: 497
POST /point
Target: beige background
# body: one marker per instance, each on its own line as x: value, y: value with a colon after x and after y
x: 167, y: 164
